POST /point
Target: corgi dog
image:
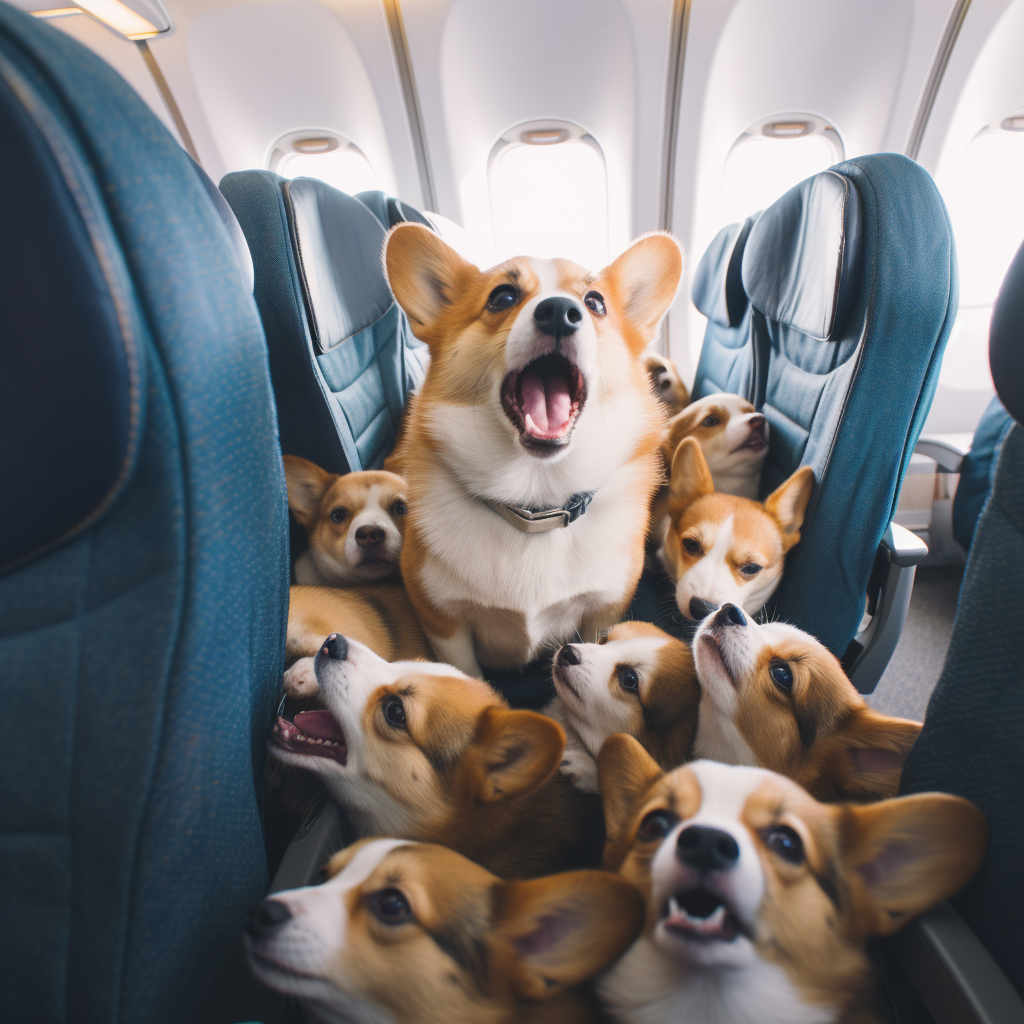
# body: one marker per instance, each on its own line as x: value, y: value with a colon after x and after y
x: 413, y: 933
x: 637, y: 680
x: 719, y: 548
x: 531, y: 445
x: 355, y: 523
x: 773, y: 696
x: 760, y: 899
x: 421, y: 750
x: 668, y: 386
x: 376, y: 614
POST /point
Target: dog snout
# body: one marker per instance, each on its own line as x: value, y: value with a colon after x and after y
x: 335, y: 647
x: 568, y: 655
x: 265, y: 917
x: 730, y: 615
x: 758, y: 424
x: 369, y: 536
x: 558, y: 316
x: 701, y: 609
x: 707, y: 849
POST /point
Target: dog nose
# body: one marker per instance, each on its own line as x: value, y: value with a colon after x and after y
x: 701, y: 609
x: 707, y: 849
x: 757, y: 423
x: 368, y: 536
x: 730, y: 615
x: 335, y: 647
x: 266, y: 916
x: 558, y: 316
x: 568, y: 655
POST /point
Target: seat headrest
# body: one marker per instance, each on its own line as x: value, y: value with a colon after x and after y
x: 338, y: 244
x: 801, y: 254
x: 717, y: 282
x: 1006, y: 340
x: 231, y: 225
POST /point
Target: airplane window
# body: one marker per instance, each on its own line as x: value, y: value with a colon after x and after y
x: 346, y: 169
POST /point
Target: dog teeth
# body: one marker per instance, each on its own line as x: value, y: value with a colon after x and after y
x: 674, y: 909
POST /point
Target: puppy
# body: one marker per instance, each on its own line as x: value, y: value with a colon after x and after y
x: 421, y: 750
x: 355, y: 523
x: 719, y: 548
x: 378, y: 615
x: 413, y: 933
x: 666, y: 382
x: 760, y: 900
x: 637, y: 680
x: 532, y: 443
x: 773, y: 696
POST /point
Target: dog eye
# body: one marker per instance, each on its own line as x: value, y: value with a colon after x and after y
x: 394, y: 712
x: 628, y: 679
x: 751, y: 569
x: 594, y: 301
x: 784, y: 841
x: 691, y: 545
x: 503, y: 297
x: 710, y: 421
x: 781, y: 674
x: 657, y: 825
x: 603, y: 638
x: 338, y: 515
x: 391, y: 907
x: 400, y: 508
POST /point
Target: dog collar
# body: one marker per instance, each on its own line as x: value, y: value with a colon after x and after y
x: 540, y: 520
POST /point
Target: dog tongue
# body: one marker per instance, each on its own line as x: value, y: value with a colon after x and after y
x: 318, y: 724
x: 545, y: 400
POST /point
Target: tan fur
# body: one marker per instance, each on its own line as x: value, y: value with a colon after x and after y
x: 668, y: 386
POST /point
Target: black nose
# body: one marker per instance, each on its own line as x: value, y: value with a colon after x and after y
x: 707, y: 849
x: 265, y: 916
x: 568, y: 655
x: 368, y: 536
x: 558, y: 316
x: 701, y: 609
x: 335, y: 647
x: 730, y: 615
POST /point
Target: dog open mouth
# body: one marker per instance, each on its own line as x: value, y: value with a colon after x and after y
x: 311, y: 734
x: 544, y: 399
x: 700, y: 915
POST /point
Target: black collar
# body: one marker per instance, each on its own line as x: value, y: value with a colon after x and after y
x: 540, y: 520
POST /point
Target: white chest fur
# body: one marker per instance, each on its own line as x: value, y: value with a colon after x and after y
x: 718, y: 738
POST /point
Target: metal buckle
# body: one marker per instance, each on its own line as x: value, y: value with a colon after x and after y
x: 532, y: 522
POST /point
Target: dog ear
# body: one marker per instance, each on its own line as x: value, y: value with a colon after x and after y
x: 690, y: 477
x: 910, y: 853
x: 641, y: 285
x: 513, y: 753
x: 868, y: 753
x: 625, y: 773
x: 427, y: 276
x: 564, y: 929
x: 307, y: 484
x: 788, y: 503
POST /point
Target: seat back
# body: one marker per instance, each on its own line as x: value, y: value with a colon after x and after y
x: 143, y: 559
x: 342, y: 356
x: 852, y: 281
x: 725, y: 363
x: 971, y: 741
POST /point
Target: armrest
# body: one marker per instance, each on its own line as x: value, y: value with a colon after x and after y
x: 324, y: 832
x: 948, y: 450
x: 902, y: 547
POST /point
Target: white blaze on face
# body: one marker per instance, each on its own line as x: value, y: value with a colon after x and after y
x: 373, y: 514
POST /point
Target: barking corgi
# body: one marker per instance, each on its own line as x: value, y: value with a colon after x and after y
x: 760, y: 899
x: 775, y: 697
x: 355, y: 523
x: 637, y: 680
x: 666, y: 382
x: 411, y: 933
x: 532, y: 444
x: 421, y: 750
x: 722, y: 549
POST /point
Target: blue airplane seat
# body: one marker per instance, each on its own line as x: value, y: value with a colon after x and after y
x: 717, y: 291
x: 852, y: 282
x: 342, y: 357
x: 143, y: 560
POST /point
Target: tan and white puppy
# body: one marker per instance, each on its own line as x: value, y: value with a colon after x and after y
x: 535, y: 396
x: 760, y: 900
x: 420, y: 750
x: 412, y: 933
x: 355, y: 523
x: 720, y: 549
x: 667, y: 384
x: 774, y: 696
x: 638, y: 680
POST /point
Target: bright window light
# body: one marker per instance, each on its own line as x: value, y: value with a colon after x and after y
x: 759, y: 170
x: 345, y: 169
x: 551, y: 200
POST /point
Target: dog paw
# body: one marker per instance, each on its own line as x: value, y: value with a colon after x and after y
x: 300, y: 680
x: 580, y: 769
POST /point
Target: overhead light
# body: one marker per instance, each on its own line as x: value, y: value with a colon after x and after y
x: 58, y: 12
x: 786, y: 129
x: 138, y: 19
x: 1013, y: 124
x: 544, y: 136
x: 323, y: 144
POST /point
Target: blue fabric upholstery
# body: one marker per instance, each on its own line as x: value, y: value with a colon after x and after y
x: 141, y: 654
x: 342, y: 357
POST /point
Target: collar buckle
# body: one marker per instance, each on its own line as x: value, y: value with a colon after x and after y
x: 541, y: 520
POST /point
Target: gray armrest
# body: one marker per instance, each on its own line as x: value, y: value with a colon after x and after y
x: 901, y: 546
x: 953, y: 972
x: 323, y: 833
x: 948, y: 450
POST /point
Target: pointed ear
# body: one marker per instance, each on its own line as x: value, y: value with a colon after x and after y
x: 513, y: 753
x: 788, y: 503
x: 910, y: 853
x: 564, y: 929
x: 426, y: 276
x: 625, y: 773
x: 641, y: 285
x: 307, y: 484
x: 871, y: 750
x: 690, y: 477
